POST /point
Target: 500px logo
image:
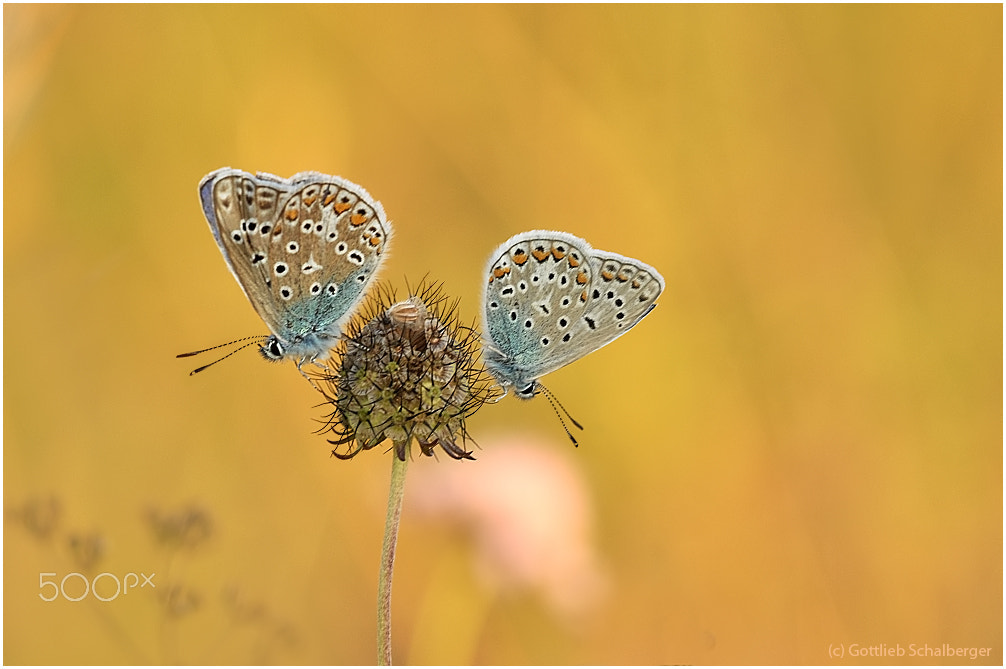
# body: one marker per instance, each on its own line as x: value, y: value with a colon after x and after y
x: 111, y: 586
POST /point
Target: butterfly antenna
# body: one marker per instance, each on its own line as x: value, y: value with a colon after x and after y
x: 556, y: 405
x: 186, y: 355
x: 199, y: 369
x: 553, y: 398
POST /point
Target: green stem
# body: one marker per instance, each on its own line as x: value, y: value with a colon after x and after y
x: 395, y: 496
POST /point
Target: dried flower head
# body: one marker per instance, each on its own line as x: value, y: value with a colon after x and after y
x: 405, y: 370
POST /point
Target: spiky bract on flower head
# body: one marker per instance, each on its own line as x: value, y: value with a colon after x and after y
x: 405, y: 370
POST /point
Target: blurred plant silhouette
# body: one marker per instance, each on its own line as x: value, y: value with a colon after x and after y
x: 174, y: 594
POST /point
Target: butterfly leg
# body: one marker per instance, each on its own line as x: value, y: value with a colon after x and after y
x: 300, y: 368
x: 506, y: 391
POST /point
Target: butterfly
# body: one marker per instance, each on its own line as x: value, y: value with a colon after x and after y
x: 551, y: 299
x: 302, y: 249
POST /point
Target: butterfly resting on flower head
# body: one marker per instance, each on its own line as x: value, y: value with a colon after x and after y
x: 303, y: 250
x: 551, y: 299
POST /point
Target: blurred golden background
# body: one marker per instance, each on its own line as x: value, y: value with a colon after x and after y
x: 800, y: 449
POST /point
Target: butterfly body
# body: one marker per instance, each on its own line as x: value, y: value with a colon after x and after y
x: 302, y: 249
x: 551, y: 299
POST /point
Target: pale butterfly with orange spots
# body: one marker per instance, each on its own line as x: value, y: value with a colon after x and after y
x: 302, y: 249
x: 551, y: 299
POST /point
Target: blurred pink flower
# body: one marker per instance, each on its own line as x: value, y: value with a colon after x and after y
x: 528, y: 511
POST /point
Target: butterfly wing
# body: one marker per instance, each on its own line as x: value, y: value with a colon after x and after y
x: 552, y: 299
x: 536, y: 292
x: 622, y: 292
x: 303, y: 249
x: 224, y: 195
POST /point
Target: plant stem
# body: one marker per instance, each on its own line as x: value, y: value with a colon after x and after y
x: 395, y: 496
